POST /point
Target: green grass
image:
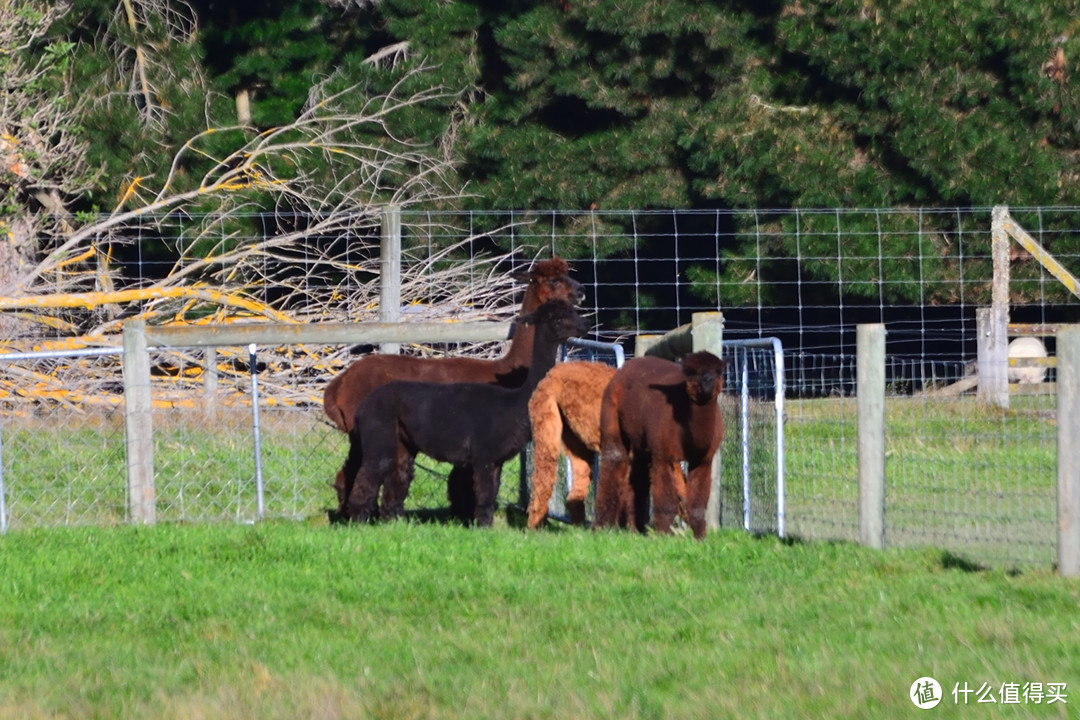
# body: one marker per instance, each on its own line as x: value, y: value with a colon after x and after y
x: 407, y: 620
x: 978, y: 481
x: 959, y: 474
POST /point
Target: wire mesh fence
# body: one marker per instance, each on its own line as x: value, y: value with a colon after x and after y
x: 962, y: 475
x: 62, y: 460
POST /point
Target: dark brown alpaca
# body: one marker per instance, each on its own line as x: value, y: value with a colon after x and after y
x: 545, y: 280
x: 480, y: 425
x: 565, y: 414
x: 656, y: 414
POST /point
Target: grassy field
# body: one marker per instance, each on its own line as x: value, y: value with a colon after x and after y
x: 408, y: 620
x: 961, y: 476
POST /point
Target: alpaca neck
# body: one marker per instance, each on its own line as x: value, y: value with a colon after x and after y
x: 520, y: 351
x: 542, y: 359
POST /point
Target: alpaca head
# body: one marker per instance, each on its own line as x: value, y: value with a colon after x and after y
x: 704, y: 376
x: 550, y: 280
x: 556, y: 321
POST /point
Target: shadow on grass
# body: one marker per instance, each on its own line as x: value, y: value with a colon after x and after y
x: 952, y: 561
x: 516, y: 517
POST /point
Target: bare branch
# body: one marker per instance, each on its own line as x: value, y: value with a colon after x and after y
x: 328, y: 174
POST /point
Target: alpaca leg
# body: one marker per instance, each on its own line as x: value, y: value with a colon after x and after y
x: 344, y: 479
x: 681, y: 490
x: 546, y: 428
x: 699, y: 486
x: 459, y: 491
x: 345, y: 482
x: 636, y: 504
x: 337, y: 514
x: 395, y: 492
x: 665, y: 480
x: 363, y: 505
x: 581, y: 461
x: 485, y: 486
x: 613, y: 492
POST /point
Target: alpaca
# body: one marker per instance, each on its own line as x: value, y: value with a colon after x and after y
x: 545, y: 280
x: 476, y: 424
x: 565, y: 414
x: 656, y: 413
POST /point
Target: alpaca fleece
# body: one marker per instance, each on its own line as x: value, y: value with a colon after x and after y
x: 654, y: 415
x: 565, y: 415
x: 471, y: 424
x: 545, y: 280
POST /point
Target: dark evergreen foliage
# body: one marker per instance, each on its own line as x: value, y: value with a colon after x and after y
x: 579, y: 104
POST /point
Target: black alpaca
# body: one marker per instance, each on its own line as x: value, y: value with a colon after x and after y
x: 474, y: 424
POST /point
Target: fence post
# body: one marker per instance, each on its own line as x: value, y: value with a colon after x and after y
x: 992, y: 324
x: 642, y: 343
x: 992, y: 356
x: 3, y: 490
x: 137, y: 424
x: 707, y: 333
x: 1068, y: 450
x: 870, y: 376
x: 390, y: 273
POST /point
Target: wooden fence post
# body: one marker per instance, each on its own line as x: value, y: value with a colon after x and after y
x: 870, y: 376
x: 707, y: 333
x: 137, y: 424
x: 992, y: 356
x: 642, y: 344
x: 1068, y: 450
x: 992, y: 324
x: 390, y: 273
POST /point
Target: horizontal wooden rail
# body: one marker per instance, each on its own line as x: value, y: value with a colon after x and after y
x: 326, y: 333
x: 1035, y: 330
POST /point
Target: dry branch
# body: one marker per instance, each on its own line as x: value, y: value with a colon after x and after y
x: 324, y: 268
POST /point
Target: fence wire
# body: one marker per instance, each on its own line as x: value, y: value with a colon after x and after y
x: 62, y: 453
x: 961, y: 475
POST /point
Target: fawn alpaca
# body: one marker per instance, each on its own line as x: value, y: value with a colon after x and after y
x: 565, y: 412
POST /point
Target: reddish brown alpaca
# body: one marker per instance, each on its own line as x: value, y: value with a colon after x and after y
x: 655, y: 414
x: 546, y: 280
x: 565, y: 414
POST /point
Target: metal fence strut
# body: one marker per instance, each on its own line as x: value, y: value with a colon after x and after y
x: 779, y: 390
x: 744, y: 424
x: 260, y: 495
x: 3, y: 491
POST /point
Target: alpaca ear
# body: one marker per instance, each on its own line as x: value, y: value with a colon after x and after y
x: 553, y: 268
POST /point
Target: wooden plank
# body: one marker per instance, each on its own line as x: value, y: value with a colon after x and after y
x: 1045, y: 362
x: 1025, y: 389
x: 1040, y: 253
x: 242, y: 334
x: 955, y: 389
x: 672, y: 344
x: 1035, y: 330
